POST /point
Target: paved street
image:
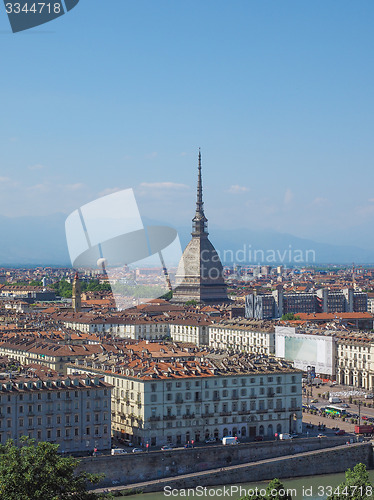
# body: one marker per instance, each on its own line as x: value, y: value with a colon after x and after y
x: 343, y: 393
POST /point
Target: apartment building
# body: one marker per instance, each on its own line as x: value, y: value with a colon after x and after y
x: 251, y: 339
x: 54, y: 356
x: 277, y: 303
x: 71, y: 411
x: 214, y: 395
x: 190, y: 330
x: 185, y: 329
x: 355, y: 360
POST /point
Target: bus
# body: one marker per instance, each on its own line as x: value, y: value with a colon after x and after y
x: 336, y: 410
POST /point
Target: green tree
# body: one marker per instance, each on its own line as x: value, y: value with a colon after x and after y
x: 191, y: 302
x: 167, y: 295
x: 274, y: 491
x: 355, y: 487
x: 289, y: 317
x: 37, y: 472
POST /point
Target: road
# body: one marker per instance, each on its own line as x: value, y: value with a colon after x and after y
x: 343, y: 393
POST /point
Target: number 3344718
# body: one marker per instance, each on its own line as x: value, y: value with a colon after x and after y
x: 33, y: 8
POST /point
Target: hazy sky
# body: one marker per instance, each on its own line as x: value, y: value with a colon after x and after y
x: 121, y: 93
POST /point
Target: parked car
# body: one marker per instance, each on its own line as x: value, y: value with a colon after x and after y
x: 340, y: 432
x: 369, y: 396
x: 285, y: 436
x: 314, y: 401
x: 321, y: 436
x: 344, y: 405
x: 188, y: 445
x: 210, y: 440
x: 166, y: 447
x: 259, y: 438
x: 136, y: 450
x: 364, y: 417
x: 294, y: 435
x: 118, y: 451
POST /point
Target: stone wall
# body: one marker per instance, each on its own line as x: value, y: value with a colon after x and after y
x: 327, y: 461
x: 138, y: 467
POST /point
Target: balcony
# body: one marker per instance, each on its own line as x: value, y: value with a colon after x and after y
x: 294, y: 408
x: 170, y: 417
x: 188, y: 415
x: 154, y: 418
x: 244, y: 412
x: 225, y: 413
x: 207, y: 415
x: 262, y: 410
x: 179, y: 401
x: 280, y: 410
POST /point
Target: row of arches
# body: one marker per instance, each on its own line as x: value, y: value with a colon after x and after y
x: 354, y: 378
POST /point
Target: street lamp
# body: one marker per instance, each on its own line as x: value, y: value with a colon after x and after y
x: 359, y: 413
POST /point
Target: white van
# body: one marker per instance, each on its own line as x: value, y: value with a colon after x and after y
x: 285, y: 436
x: 118, y: 451
x: 334, y: 400
x: 229, y: 440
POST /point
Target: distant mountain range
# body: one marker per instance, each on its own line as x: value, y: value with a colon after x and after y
x: 40, y: 240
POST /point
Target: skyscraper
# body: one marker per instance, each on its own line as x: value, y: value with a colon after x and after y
x: 200, y: 272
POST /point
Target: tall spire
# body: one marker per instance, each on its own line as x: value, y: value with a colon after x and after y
x: 199, y: 221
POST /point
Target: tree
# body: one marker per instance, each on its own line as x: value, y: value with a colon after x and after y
x: 274, y: 491
x: 355, y: 487
x: 289, y: 317
x: 167, y: 295
x: 37, y: 472
x: 191, y: 302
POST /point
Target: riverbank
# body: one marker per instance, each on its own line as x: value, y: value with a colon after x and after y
x: 306, y: 487
x: 330, y: 460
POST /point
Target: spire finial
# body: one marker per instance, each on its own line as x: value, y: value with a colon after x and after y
x: 199, y: 226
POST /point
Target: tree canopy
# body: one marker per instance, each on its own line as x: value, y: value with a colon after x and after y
x: 355, y: 487
x: 274, y: 491
x: 37, y: 472
x: 289, y: 317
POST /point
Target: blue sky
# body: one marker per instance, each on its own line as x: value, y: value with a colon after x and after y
x: 121, y: 93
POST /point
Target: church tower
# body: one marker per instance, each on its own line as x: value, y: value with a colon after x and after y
x: 200, y: 272
x: 76, y: 294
